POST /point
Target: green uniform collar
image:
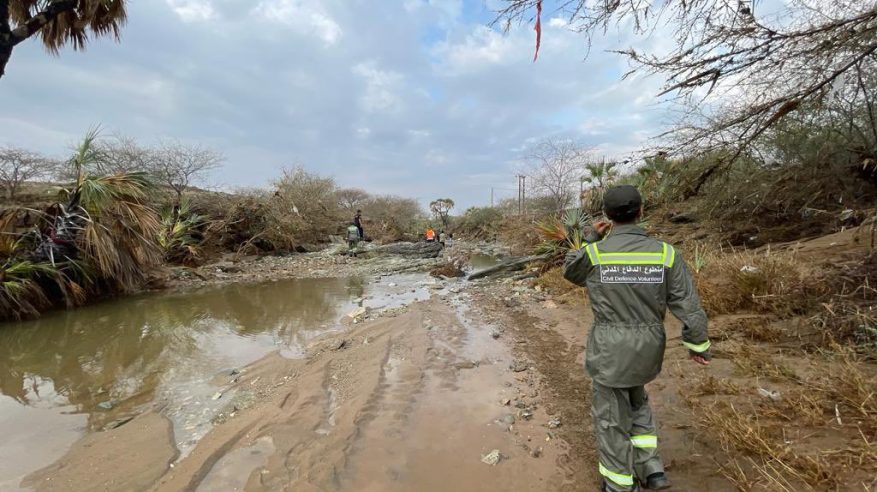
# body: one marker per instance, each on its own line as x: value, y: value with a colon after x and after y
x: 628, y: 229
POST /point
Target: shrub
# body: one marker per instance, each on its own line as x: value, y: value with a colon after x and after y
x: 560, y: 235
x: 392, y: 218
x: 480, y: 222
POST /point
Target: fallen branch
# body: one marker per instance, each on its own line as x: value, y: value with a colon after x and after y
x: 510, y: 265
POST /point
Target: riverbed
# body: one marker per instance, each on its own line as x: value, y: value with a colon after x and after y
x: 74, y: 372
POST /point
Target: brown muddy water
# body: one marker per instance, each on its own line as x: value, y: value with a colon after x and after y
x: 80, y: 371
x: 480, y: 261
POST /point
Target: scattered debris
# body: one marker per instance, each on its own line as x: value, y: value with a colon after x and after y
x: 115, y: 424
x: 492, y: 458
x: 773, y: 395
x: 554, y: 423
x: 358, y: 314
x: 519, y: 366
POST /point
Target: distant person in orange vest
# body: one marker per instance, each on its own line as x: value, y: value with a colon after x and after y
x: 430, y: 235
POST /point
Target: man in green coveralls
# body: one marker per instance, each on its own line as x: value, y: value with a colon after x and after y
x: 632, y: 279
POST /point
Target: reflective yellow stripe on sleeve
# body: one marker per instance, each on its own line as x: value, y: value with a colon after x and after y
x: 592, y: 255
x: 698, y: 347
x: 620, y: 479
x: 644, y: 441
x: 669, y: 255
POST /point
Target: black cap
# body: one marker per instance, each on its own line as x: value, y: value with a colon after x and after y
x: 622, y: 202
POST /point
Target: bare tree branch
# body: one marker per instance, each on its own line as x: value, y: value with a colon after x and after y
x: 18, y: 166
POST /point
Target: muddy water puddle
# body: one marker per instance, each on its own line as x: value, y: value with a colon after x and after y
x: 480, y: 261
x: 85, y: 370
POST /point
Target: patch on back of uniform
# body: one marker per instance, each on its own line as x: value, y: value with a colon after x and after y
x: 631, y: 274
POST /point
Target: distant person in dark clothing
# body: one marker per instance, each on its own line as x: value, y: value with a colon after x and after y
x: 357, y: 221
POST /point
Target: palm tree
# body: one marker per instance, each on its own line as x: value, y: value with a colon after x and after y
x: 600, y: 173
x: 58, y: 22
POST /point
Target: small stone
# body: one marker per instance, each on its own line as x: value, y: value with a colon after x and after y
x: 234, y: 372
x: 506, y: 402
x: 105, y: 405
x: 508, y: 419
x: 492, y: 458
x: 216, y: 395
x: 536, y: 452
x: 519, y: 366
x: 554, y: 423
x: 526, y: 414
x: 468, y: 364
x: 495, y: 334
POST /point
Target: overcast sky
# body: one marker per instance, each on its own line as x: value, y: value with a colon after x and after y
x: 411, y: 97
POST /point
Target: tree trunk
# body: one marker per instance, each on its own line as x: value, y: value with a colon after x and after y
x: 508, y: 266
x: 5, y: 54
x: 9, y: 37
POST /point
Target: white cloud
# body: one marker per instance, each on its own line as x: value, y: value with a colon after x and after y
x: 302, y: 16
x: 383, y: 88
x: 480, y: 49
x: 419, y: 133
x: 192, y: 10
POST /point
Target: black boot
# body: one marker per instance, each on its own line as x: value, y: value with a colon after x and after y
x: 657, y: 481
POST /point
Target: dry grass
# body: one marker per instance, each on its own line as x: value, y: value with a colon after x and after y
x: 552, y: 281
x: 819, y: 435
x: 778, y: 464
x: 519, y: 235
x: 757, y: 363
x: 797, y: 406
x: 711, y: 385
x: 767, y: 282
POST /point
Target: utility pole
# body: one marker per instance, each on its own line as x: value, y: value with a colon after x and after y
x: 520, y: 194
x: 524, y: 194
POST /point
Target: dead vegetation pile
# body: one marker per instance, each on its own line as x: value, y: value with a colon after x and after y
x: 813, y: 431
x: 800, y: 331
x: 830, y: 300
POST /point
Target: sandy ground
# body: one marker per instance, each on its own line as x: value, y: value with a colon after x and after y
x: 415, y: 401
x: 412, y: 402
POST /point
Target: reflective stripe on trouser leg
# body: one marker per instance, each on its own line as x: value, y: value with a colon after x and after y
x: 611, y: 410
x: 616, y: 478
x: 644, y: 441
x: 644, y: 435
